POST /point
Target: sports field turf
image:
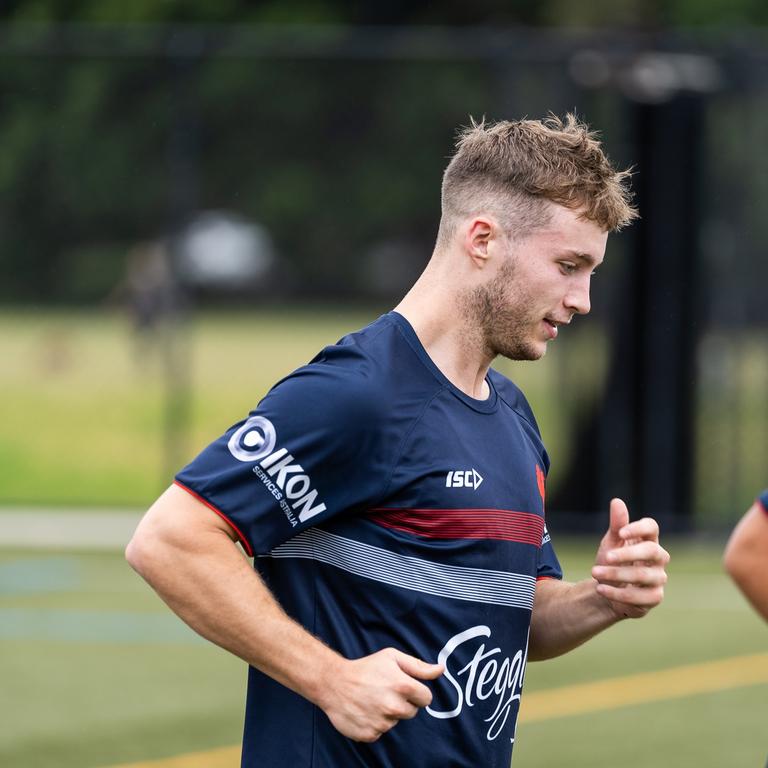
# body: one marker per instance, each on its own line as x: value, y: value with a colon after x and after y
x: 96, y: 672
x: 85, y: 410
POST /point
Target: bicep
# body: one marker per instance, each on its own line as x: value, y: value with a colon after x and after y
x: 176, y: 520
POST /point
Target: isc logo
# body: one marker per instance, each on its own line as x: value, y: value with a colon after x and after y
x: 463, y: 478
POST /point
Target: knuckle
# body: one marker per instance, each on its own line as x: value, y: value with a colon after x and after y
x: 390, y: 710
x: 401, y: 688
x: 648, y: 550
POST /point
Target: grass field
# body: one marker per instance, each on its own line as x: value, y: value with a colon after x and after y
x: 83, y: 417
x: 96, y: 672
x: 87, y: 418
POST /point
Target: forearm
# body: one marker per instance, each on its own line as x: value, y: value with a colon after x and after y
x: 206, y: 581
x: 565, y: 615
x: 188, y: 555
x: 627, y: 581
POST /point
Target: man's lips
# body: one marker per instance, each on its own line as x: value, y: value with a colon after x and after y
x: 551, y: 326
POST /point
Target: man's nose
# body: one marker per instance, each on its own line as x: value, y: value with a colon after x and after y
x: 577, y: 298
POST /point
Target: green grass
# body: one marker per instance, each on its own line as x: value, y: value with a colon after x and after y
x: 83, y: 416
x: 96, y: 672
x: 702, y: 618
x: 84, y: 412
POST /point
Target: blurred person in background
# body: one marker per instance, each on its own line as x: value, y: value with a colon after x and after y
x: 746, y: 555
x: 150, y: 297
x: 392, y: 491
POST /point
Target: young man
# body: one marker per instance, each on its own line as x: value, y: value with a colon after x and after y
x: 392, y: 491
x: 746, y: 555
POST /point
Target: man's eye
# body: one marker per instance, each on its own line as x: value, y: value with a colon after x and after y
x: 568, y: 267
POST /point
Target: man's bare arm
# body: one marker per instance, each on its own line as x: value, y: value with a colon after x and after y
x: 746, y: 557
x: 189, y: 556
x: 628, y: 580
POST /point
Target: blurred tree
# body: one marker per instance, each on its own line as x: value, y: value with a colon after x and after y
x: 599, y: 13
x: 334, y: 156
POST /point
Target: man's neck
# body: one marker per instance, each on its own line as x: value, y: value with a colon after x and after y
x: 455, y: 345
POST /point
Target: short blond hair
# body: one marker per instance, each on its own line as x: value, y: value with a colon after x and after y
x: 512, y: 167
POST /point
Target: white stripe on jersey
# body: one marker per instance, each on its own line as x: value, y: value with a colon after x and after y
x: 473, y: 584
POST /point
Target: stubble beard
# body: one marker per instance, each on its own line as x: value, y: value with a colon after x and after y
x: 501, y: 312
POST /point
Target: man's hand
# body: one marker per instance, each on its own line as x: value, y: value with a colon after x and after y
x: 368, y: 696
x: 630, y: 564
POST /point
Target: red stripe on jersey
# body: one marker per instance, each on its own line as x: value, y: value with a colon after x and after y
x: 246, y: 546
x: 500, y: 524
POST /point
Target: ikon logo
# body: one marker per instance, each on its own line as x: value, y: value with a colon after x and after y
x: 282, y: 475
x: 463, y: 478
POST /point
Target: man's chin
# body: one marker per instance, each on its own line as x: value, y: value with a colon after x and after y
x: 529, y: 352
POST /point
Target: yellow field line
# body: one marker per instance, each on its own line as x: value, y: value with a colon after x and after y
x: 650, y: 686
x: 569, y: 700
x: 224, y: 757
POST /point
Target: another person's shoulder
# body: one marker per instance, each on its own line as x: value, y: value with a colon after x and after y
x: 762, y: 500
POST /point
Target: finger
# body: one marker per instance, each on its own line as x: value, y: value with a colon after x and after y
x: 618, y: 516
x: 637, y: 574
x: 646, y: 551
x: 641, y: 597
x: 417, y: 694
x: 398, y: 708
x: 417, y: 668
x: 646, y: 529
x: 408, y: 712
x: 368, y: 736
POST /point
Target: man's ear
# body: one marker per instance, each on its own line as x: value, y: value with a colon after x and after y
x: 479, y: 233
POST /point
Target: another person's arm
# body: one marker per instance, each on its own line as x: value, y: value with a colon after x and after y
x: 189, y: 556
x: 628, y: 580
x: 746, y: 556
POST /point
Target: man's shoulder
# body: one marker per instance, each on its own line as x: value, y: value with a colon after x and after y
x: 366, y: 374
x: 513, y: 396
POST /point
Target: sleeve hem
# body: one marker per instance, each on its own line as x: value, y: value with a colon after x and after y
x: 553, y: 578
x: 246, y: 546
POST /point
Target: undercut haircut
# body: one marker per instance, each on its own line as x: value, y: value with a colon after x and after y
x: 512, y: 168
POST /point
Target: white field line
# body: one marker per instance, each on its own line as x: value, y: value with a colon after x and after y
x: 42, y: 529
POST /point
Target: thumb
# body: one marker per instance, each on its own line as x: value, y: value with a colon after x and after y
x: 417, y: 668
x: 619, y: 517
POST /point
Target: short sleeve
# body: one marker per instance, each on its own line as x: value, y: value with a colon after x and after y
x: 548, y: 566
x: 314, y: 448
x: 763, y: 500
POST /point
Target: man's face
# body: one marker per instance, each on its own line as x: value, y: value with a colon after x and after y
x: 540, y: 283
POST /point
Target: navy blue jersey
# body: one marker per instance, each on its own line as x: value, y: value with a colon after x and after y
x: 386, y: 508
x: 763, y: 499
